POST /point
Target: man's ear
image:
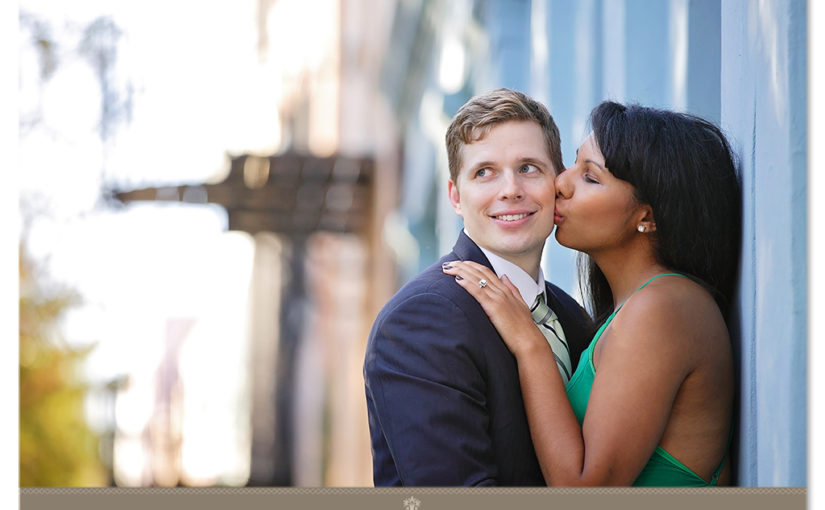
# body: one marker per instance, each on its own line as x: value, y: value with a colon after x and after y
x: 452, y: 191
x: 646, y: 223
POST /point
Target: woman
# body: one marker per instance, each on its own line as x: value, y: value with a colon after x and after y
x: 653, y: 200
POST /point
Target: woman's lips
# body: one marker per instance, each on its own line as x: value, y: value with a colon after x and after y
x: 557, y: 218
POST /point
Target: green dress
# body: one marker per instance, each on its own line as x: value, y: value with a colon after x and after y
x: 662, y: 470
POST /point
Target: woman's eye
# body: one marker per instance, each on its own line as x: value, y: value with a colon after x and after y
x: 589, y: 179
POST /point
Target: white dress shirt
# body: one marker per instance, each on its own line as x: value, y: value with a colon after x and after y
x: 527, y: 287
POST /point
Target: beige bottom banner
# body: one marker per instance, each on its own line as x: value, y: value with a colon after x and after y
x: 410, y: 499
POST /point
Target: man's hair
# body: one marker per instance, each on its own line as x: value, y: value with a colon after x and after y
x: 474, y: 120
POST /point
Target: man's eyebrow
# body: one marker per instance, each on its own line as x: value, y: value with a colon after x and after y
x: 481, y: 164
x: 534, y: 161
x: 527, y: 159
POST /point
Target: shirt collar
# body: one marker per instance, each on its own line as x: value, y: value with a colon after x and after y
x: 527, y: 287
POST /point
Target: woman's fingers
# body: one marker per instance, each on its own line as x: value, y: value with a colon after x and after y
x: 472, y: 279
x: 482, y: 283
x: 500, y: 300
x: 472, y: 274
x: 478, y: 272
x: 510, y: 286
x: 467, y: 268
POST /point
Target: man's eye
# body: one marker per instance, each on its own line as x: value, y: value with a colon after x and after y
x: 528, y: 168
x: 482, y: 172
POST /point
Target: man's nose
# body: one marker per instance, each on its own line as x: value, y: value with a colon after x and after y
x: 511, y: 186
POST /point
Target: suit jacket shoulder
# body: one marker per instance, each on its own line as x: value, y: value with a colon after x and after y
x: 443, y: 394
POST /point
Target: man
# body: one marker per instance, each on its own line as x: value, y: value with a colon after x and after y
x: 443, y: 395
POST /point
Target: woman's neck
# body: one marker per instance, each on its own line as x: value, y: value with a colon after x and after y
x: 627, y: 270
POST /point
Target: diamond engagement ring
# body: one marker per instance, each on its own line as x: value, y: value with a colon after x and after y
x: 482, y: 283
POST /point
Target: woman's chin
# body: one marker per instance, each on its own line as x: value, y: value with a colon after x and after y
x: 561, y: 239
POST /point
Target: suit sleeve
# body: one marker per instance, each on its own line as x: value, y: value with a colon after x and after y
x: 424, y: 374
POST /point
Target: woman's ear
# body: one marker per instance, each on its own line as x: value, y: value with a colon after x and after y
x: 646, y: 223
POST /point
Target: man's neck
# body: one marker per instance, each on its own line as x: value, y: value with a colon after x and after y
x: 528, y: 286
x: 529, y: 265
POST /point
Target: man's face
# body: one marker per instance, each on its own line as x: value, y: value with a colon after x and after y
x: 505, y: 192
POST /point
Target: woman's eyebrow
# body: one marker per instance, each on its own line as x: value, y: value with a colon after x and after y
x: 594, y: 162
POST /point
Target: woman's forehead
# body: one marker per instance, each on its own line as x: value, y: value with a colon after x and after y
x: 590, y: 146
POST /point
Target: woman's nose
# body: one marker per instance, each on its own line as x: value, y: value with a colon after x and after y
x: 563, y: 184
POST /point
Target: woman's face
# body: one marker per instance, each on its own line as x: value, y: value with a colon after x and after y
x: 595, y: 211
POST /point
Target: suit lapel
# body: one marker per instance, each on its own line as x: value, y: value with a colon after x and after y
x: 466, y: 249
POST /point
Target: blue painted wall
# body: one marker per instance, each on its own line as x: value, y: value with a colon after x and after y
x: 507, y: 24
x: 764, y: 110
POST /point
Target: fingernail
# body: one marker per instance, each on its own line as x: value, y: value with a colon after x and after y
x: 457, y: 278
x: 446, y: 265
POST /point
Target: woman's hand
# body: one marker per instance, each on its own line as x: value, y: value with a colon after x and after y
x: 502, y: 302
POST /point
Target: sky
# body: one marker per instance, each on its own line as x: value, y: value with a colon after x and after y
x: 120, y: 258
x: 200, y: 92
x: 197, y: 97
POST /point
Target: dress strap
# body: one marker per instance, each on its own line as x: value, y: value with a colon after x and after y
x: 658, y: 275
x: 642, y: 287
x: 715, y: 479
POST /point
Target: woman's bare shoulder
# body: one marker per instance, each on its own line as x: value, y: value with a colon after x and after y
x: 671, y: 316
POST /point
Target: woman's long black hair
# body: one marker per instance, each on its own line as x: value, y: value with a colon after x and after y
x: 684, y: 168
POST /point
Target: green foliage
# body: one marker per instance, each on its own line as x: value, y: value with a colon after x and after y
x: 57, y: 448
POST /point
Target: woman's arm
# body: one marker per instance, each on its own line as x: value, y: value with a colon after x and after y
x: 629, y: 407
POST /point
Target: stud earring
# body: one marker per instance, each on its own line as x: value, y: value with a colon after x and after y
x: 640, y: 228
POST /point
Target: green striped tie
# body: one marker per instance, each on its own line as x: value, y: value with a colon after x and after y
x: 548, y: 322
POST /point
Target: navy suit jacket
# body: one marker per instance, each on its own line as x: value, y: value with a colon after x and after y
x: 443, y: 394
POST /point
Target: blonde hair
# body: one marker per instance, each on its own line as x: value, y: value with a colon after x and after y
x: 474, y: 120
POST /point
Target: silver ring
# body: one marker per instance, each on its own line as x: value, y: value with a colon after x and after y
x: 482, y: 283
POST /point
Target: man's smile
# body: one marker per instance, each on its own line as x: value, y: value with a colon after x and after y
x: 511, y: 216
